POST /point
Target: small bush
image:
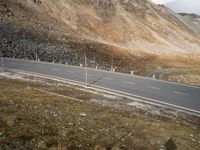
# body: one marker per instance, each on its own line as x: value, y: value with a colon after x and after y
x: 170, y: 145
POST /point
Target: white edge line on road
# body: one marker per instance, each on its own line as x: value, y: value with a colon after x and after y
x: 144, y: 99
x: 119, y: 73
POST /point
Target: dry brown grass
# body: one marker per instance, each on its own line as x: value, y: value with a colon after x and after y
x: 30, y: 119
x: 191, y: 77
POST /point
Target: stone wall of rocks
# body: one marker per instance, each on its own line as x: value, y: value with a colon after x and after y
x: 15, y: 44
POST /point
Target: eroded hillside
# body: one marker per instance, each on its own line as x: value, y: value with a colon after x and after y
x: 137, y: 34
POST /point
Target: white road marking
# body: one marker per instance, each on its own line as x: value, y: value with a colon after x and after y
x: 55, y: 69
x: 153, y: 87
x: 129, y: 82
x: 70, y: 71
x: 181, y: 93
x: 106, y: 78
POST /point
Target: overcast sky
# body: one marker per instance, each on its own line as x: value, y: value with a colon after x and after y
x: 188, y: 6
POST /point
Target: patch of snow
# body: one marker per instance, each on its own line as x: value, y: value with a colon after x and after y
x: 83, y: 115
x: 71, y: 124
x: 110, y: 96
x: 137, y: 104
x: 11, y: 75
x: 191, y: 135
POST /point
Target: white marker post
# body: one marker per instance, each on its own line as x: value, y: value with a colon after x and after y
x: 86, y: 73
x: 2, y: 63
x: 112, y: 63
x: 132, y: 72
x: 36, y: 56
x: 154, y: 76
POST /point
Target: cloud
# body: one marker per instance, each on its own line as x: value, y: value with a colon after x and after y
x: 181, y: 6
x: 162, y: 1
x: 187, y: 6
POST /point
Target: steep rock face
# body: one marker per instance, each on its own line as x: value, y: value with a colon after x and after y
x: 130, y: 30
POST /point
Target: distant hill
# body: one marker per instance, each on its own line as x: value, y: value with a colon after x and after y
x: 191, y: 20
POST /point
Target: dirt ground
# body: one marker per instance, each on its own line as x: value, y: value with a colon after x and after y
x: 38, y: 115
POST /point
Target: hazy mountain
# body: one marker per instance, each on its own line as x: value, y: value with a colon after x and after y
x: 184, y: 6
x: 191, y: 20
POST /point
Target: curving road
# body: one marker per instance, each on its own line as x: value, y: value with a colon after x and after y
x: 176, y: 95
x: 157, y: 74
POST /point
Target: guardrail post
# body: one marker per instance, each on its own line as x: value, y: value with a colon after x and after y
x: 132, y: 72
x: 2, y: 62
x: 154, y: 76
x: 36, y: 56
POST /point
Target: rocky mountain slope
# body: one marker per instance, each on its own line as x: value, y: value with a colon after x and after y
x: 137, y: 34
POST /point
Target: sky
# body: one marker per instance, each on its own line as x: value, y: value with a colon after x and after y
x: 187, y: 6
x: 162, y: 1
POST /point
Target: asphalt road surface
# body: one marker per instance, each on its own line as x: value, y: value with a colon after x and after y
x: 183, y: 96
